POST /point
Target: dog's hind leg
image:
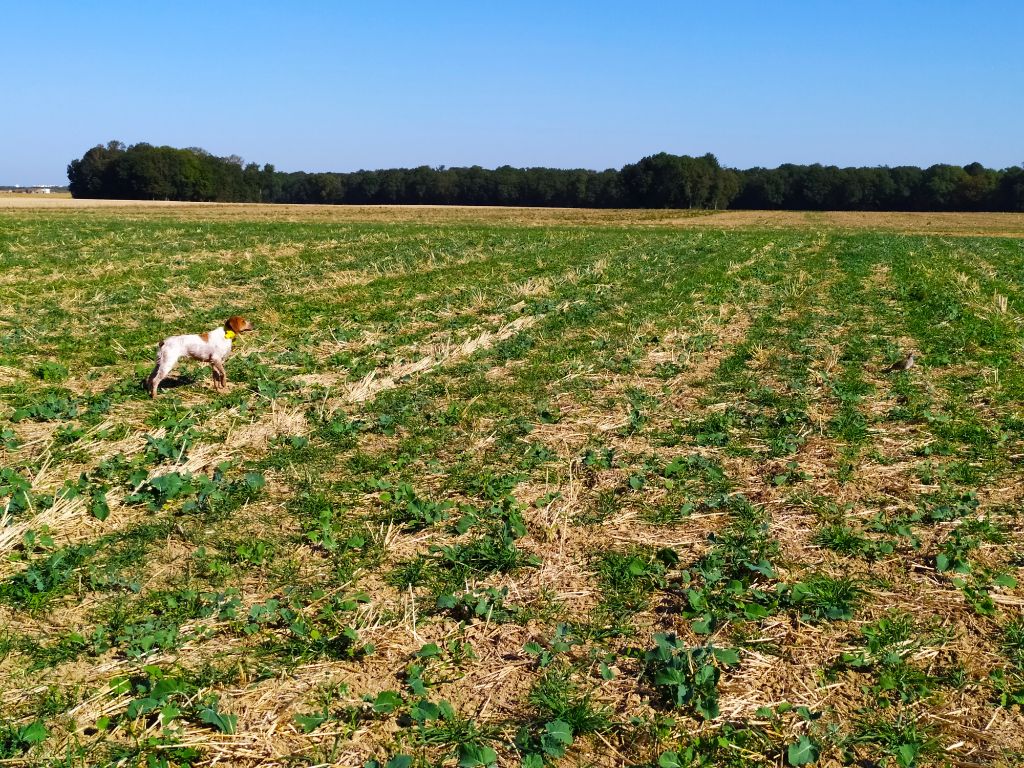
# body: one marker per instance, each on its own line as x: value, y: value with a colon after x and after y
x: 164, y: 364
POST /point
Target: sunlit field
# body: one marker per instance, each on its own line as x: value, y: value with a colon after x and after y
x: 526, y: 487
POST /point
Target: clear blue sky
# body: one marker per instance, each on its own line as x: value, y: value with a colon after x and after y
x: 340, y: 86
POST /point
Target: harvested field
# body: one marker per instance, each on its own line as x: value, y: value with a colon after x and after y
x: 515, y: 486
x: 937, y: 223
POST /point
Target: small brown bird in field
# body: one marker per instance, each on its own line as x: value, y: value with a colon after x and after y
x: 903, y: 365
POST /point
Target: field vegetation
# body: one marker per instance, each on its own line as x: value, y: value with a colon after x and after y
x: 509, y: 488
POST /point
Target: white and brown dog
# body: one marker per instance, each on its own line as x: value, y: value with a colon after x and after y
x: 211, y: 347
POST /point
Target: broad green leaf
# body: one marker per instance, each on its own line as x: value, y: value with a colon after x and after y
x: 99, y: 508
x: 387, y: 701
x: 309, y: 723
x: 707, y: 708
x: 755, y: 611
x: 906, y: 755
x: 803, y: 752
x: 141, y: 707
x: 33, y: 733
x: 727, y: 656
x: 476, y: 756
x: 423, y: 711
x: 702, y: 626
x: 559, y: 730
x: 168, y: 713
x: 222, y: 722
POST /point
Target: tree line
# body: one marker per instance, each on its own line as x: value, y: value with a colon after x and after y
x: 146, y: 172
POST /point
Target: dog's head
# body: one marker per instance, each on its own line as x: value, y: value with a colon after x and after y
x: 236, y: 325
